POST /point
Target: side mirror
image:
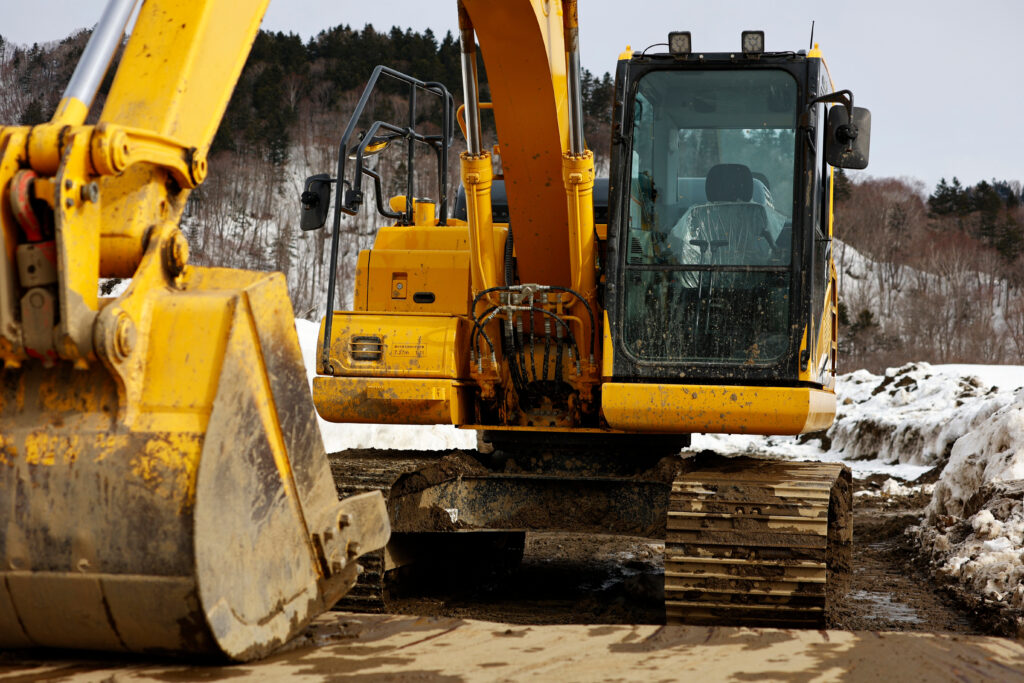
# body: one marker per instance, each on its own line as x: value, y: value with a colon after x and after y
x: 376, y: 145
x: 847, y: 143
x: 316, y: 200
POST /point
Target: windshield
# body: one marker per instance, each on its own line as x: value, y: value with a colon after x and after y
x: 710, y: 217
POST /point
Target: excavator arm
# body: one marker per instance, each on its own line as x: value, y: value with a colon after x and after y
x: 163, y: 483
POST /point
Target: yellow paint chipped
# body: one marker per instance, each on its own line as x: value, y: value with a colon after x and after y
x: 168, y: 466
x: 104, y: 444
x: 42, y: 448
x: 8, y: 451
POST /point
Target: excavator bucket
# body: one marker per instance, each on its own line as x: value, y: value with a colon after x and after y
x: 205, y: 520
x: 163, y: 483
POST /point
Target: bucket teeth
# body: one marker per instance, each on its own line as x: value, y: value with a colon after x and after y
x: 756, y: 545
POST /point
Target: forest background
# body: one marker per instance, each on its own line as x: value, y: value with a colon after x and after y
x: 926, y: 274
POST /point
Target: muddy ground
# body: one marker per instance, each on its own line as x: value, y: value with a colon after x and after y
x: 584, y: 608
x: 569, y: 578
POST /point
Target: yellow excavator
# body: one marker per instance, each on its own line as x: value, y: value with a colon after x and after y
x: 163, y: 483
x: 586, y: 327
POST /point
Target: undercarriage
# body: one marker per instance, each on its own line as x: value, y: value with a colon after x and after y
x: 747, y: 541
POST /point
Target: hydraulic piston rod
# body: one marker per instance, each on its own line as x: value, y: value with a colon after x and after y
x: 103, y: 44
x: 470, y: 82
x: 571, y: 26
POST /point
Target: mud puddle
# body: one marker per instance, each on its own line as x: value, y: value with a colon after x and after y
x: 569, y: 578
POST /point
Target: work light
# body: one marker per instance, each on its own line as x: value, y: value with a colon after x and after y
x: 753, y: 42
x: 679, y: 42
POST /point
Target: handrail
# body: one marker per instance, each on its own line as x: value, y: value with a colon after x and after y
x: 348, y: 194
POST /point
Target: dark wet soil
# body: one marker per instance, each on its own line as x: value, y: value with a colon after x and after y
x: 569, y: 578
x: 563, y: 578
x: 888, y: 590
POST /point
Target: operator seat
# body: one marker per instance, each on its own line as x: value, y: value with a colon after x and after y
x: 730, y: 228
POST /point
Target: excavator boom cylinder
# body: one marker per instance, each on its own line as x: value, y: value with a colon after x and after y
x: 95, y: 61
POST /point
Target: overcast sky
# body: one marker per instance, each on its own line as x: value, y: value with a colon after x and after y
x: 942, y: 78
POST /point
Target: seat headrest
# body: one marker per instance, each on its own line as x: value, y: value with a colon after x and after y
x: 729, y: 183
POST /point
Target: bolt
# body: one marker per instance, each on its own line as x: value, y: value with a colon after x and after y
x: 68, y: 184
x: 124, y: 336
x: 199, y: 169
x: 176, y: 254
x: 69, y: 202
x: 91, y: 192
x: 119, y: 151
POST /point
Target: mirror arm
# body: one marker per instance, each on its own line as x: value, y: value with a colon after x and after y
x: 846, y: 133
x: 310, y: 200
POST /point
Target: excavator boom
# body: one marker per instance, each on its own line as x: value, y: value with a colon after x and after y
x: 163, y: 483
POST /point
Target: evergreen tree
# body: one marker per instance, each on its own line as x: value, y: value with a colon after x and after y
x: 841, y: 185
x: 33, y: 114
x: 949, y: 199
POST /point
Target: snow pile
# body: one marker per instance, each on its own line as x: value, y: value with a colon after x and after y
x: 339, y: 437
x: 974, y: 525
x: 893, y: 489
x: 914, y: 414
x: 992, y: 453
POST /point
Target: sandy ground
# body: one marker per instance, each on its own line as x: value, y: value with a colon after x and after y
x: 342, y: 646
x: 584, y: 607
x: 588, y: 608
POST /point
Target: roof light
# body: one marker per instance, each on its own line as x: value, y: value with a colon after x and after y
x: 753, y: 42
x: 679, y: 42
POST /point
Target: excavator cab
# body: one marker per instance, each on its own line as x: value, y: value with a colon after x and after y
x: 719, y: 236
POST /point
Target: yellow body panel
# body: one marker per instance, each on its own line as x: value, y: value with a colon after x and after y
x: 607, y: 349
x: 410, y: 345
x: 419, y: 236
x: 391, y: 400
x: 425, y: 259
x: 682, y: 408
x: 417, y: 281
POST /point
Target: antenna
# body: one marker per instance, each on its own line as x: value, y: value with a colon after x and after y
x: 811, y: 46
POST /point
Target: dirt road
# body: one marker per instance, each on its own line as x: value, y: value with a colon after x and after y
x: 342, y: 646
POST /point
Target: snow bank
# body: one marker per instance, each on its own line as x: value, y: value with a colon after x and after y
x: 991, y: 453
x: 338, y: 437
x: 914, y: 414
x: 974, y: 525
